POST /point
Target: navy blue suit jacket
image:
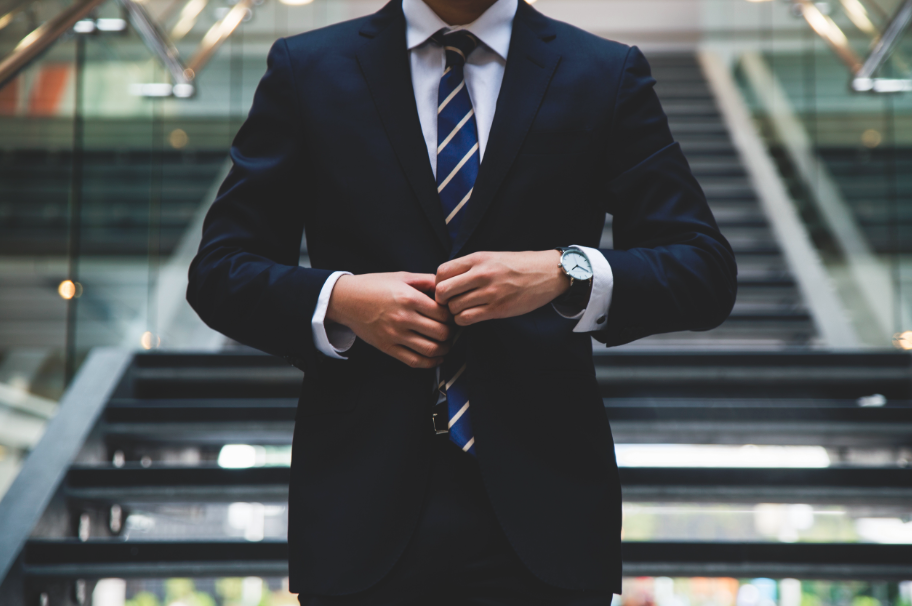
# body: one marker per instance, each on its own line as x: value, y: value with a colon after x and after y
x: 333, y: 147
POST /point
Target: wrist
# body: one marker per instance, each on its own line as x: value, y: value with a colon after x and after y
x: 337, y: 310
x: 559, y: 281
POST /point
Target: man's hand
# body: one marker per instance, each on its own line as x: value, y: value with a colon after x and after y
x: 488, y: 285
x: 392, y: 312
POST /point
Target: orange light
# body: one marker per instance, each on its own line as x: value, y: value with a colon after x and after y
x: 178, y: 138
x: 148, y: 340
x: 903, y: 340
x: 69, y: 290
x: 871, y: 138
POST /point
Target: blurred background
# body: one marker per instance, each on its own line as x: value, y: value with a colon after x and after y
x: 145, y: 457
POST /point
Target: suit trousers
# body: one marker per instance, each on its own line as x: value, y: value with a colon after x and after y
x: 458, y: 555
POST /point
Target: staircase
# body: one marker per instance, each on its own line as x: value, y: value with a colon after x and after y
x: 137, y: 476
x: 164, y: 465
x: 116, y: 218
x: 124, y: 240
x: 769, y: 312
x: 883, y: 213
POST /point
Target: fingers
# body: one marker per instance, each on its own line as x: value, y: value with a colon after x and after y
x: 456, y: 267
x: 432, y: 329
x: 425, y: 347
x: 461, y: 275
x: 415, y: 360
x: 421, y: 282
x: 424, y: 303
x: 426, y: 306
x: 473, y: 298
x: 457, y: 285
x: 474, y: 315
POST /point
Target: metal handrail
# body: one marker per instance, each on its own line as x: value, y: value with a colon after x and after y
x: 862, y: 71
x: 217, y: 35
x: 187, y: 18
x: 824, y: 26
x: 161, y: 46
x: 44, y: 36
x: 47, y: 465
x: 888, y: 41
x: 11, y: 10
x: 157, y: 41
x: 870, y: 277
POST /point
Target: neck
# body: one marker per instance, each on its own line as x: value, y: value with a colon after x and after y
x: 459, y: 12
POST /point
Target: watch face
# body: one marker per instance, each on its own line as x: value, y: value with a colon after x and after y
x: 576, y: 265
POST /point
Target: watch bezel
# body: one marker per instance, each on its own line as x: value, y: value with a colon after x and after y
x: 573, y: 250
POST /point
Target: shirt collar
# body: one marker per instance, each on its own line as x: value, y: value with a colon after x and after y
x: 494, y: 27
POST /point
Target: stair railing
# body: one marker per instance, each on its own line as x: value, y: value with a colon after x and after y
x: 869, y: 276
x: 884, y: 45
x: 47, y: 464
x: 161, y: 44
x: 40, y: 39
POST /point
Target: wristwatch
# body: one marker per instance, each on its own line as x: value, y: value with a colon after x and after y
x: 576, y: 265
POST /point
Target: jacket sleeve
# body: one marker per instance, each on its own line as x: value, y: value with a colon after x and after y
x: 245, y: 281
x: 673, y: 269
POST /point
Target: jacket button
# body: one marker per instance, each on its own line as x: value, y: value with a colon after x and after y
x: 600, y: 320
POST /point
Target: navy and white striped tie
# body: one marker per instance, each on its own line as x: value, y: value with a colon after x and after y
x: 458, y: 158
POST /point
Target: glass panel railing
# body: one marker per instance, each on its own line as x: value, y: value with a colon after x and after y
x: 846, y: 154
x: 36, y: 186
x: 866, y: 37
x: 106, y: 169
x: 841, y: 149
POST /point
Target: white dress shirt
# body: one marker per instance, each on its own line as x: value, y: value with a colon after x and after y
x: 484, y: 73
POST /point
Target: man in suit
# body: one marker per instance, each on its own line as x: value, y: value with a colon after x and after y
x: 451, y: 445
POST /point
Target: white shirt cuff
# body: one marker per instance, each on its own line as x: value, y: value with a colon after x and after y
x: 594, y: 316
x: 330, y: 339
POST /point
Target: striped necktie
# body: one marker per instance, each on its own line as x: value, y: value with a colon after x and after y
x: 458, y: 159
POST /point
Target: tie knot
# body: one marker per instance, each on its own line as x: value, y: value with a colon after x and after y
x: 458, y: 46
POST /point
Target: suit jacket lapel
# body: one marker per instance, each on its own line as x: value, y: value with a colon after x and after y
x: 384, y: 62
x: 530, y: 65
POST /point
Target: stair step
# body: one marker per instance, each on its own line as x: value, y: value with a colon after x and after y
x: 72, y: 559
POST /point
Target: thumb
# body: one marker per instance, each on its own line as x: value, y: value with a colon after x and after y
x: 423, y: 282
